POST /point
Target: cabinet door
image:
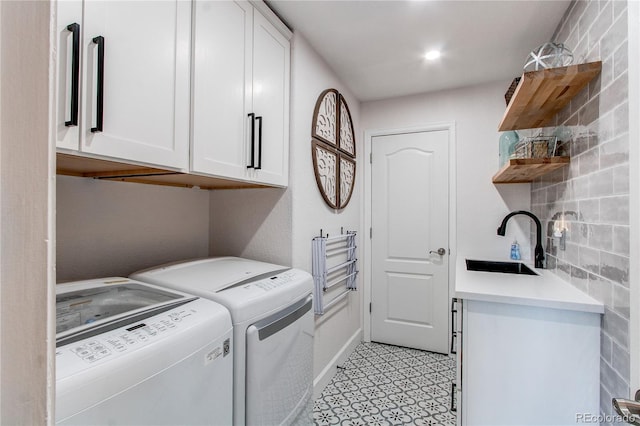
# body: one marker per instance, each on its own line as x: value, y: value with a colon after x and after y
x: 221, y: 88
x: 528, y: 365
x: 146, y: 80
x: 271, y: 59
x: 69, y: 27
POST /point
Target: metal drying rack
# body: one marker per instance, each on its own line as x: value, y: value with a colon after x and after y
x: 324, y: 248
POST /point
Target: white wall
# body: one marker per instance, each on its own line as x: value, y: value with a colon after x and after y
x: 26, y: 231
x: 481, y: 205
x: 310, y: 76
x: 251, y: 223
x: 115, y: 228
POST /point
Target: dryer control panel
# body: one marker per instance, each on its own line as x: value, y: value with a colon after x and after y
x: 253, y: 300
x: 273, y: 282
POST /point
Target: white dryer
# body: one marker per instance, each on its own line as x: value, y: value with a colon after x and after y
x: 270, y: 307
x: 130, y: 353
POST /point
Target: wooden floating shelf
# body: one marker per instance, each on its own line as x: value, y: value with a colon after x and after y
x: 75, y: 165
x: 521, y: 170
x: 540, y: 95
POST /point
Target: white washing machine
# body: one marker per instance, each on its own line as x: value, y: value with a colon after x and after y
x: 130, y: 353
x: 273, y: 324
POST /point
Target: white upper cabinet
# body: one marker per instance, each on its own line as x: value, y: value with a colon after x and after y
x: 271, y: 59
x: 240, y: 94
x: 134, y: 81
x: 221, y: 88
x: 200, y: 87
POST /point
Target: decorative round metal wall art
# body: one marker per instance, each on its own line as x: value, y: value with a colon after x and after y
x: 333, y: 147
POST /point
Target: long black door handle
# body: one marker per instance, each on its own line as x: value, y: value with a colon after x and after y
x: 453, y: 408
x: 75, y: 73
x: 252, y: 165
x: 259, y: 120
x: 100, y: 85
x: 454, y: 326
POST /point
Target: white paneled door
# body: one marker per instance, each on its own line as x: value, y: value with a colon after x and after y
x: 410, y: 239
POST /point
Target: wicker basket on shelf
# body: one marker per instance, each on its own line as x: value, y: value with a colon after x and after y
x: 536, y: 147
x: 511, y: 90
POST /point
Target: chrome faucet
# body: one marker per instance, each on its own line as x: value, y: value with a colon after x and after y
x: 629, y: 410
x: 539, y: 251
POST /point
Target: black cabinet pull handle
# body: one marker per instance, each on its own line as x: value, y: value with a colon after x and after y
x: 75, y: 73
x: 259, y: 120
x: 252, y: 165
x: 453, y: 407
x: 454, y: 326
x: 100, y: 85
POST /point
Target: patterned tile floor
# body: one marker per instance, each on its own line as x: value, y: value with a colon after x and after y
x: 383, y: 385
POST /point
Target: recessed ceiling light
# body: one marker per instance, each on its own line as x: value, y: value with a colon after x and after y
x: 432, y: 54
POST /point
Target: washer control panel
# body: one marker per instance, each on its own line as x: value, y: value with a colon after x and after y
x: 129, y: 337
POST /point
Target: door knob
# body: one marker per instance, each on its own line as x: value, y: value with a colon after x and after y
x: 441, y: 251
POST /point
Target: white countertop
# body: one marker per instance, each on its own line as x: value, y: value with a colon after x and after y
x: 545, y: 290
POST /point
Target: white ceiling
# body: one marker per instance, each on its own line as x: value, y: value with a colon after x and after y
x: 377, y: 47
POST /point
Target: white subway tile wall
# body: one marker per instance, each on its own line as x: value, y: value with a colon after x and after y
x: 590, y: 197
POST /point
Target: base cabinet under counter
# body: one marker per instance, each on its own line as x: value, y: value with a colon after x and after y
x: 525, y: 365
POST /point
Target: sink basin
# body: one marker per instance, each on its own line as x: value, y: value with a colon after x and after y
x: 503, y: 267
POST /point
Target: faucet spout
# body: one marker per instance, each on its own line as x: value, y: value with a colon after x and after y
x: 539, y: 251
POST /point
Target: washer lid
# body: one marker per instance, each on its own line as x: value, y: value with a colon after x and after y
x: 85, y: 304
x: 209, y: 275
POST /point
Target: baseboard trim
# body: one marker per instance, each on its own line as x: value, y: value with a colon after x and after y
x: 327, y: 373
